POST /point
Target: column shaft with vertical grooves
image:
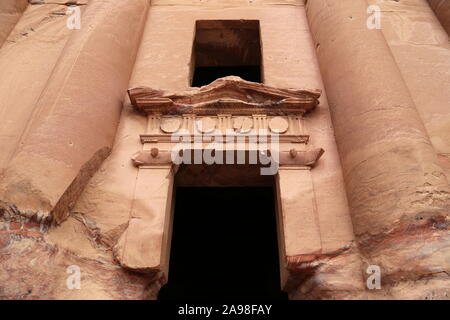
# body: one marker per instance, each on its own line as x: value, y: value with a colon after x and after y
x: 75, y: 120
x: 398, y: 194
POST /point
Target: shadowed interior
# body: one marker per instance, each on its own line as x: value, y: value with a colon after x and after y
x: 224, y: 48
x: 224, y: 245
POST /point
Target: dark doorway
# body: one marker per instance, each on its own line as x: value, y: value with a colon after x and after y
x: 206, y: 75
x: 225, y: 48
x: 224, y: 245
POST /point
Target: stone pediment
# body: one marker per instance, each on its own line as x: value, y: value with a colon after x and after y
x: 225, y: 95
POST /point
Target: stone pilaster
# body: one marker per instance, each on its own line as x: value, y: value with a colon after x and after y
x: 298, y: 225
x: 145, y: 245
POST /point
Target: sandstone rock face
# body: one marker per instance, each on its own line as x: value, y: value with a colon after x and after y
x: 10, y: 13
x: 43, y: 28
x: 82, y: 98
x: 394, y: 182
x: 442, y: 9
x: 84, y: 188
x: 67, y: 123
x: 415, y: 35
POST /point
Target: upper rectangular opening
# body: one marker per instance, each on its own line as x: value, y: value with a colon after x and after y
x: 226, y: 48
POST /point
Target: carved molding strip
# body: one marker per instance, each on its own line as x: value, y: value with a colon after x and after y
x: 155, y: 138
x: 226, y: 95
x: 156, y: 157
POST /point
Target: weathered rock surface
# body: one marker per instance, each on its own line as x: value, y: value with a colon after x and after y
x: 10, y: 13
x: 415, y: 36
x: 57, y: 138
x: 380, y: 194
x: 35, y: 264
x: 442, y: 10
x: 226, y: 94
x: 398, y: 194
x: 75, y: 118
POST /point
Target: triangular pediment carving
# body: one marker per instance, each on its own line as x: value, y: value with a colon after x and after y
x: 226, y: 95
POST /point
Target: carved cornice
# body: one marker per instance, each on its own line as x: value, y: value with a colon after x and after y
x: 226, y: 95
x: 156, y: 157
x: 167, y: 138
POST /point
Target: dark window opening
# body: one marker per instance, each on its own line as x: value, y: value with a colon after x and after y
x: 224, y: 245
x: 226, y: 48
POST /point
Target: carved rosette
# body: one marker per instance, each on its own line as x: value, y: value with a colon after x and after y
x: 278, y: 125
x: 170, y: 124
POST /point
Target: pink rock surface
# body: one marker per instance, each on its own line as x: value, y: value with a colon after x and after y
x: 70, y: 193
x: 442, y: 10
x: 10, y: 13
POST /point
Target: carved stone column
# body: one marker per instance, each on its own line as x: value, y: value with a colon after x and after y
x: 398, y: 194
x: 245, y: 118
x: 76, y: 117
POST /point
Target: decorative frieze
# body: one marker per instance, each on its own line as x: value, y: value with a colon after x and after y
x: 167, y: 124
x: 243, y: 124
x: 231, y: 114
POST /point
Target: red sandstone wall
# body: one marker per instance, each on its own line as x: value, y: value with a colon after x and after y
x: 34, y: 56
x: 10, y: 13
x: 71, y: 84
x: 33, y: 48
x: 393, y: 178
x: 415, y: 37
x: 442, y: 10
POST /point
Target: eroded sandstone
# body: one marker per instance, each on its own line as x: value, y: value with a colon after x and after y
x: 80, y: 188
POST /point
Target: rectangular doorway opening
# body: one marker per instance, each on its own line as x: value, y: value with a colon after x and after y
x: 224, y: 245
x: 226, y: 48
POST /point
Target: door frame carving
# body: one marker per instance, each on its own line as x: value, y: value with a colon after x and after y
x: 228, y: 107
